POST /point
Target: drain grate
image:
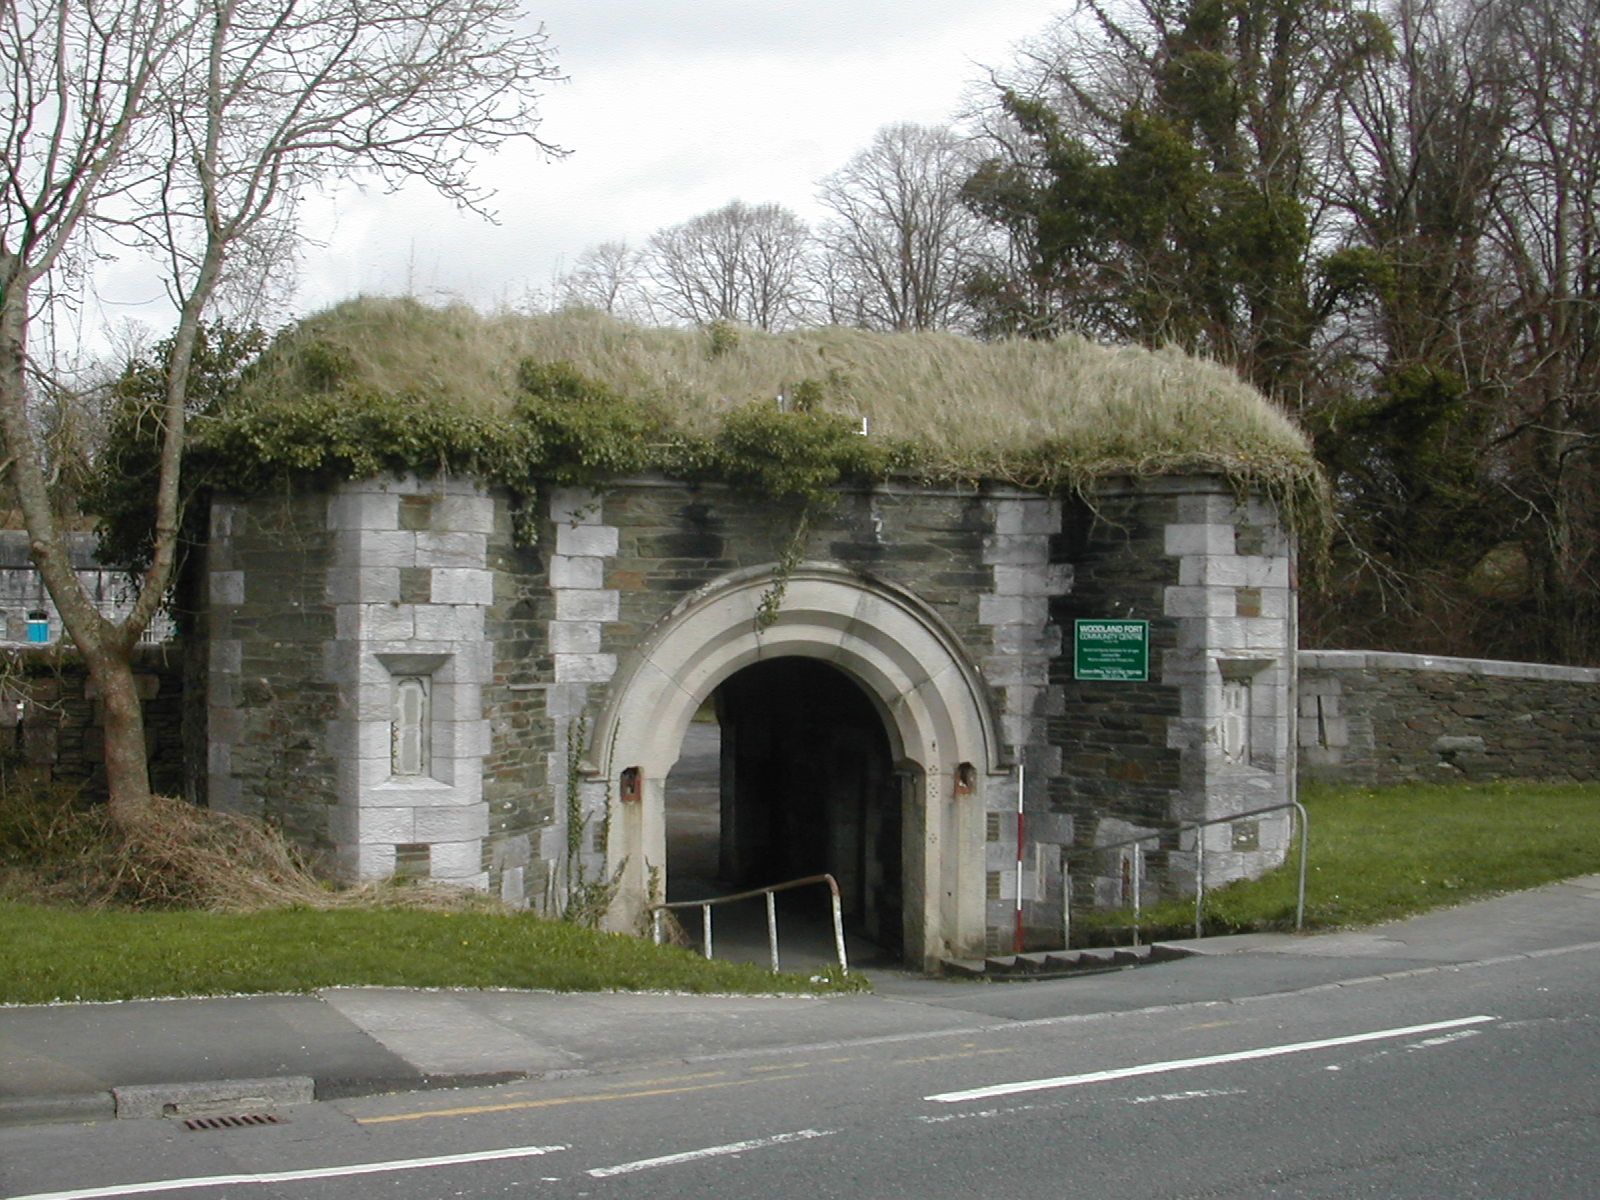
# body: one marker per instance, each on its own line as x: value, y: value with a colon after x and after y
x: 231, y: 1122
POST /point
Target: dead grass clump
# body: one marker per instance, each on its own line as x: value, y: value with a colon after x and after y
x: 57, y: 848
x: 173, y: 855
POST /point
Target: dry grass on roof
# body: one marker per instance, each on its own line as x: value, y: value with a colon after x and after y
x: 980, y: 405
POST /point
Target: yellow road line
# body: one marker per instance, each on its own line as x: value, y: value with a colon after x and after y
x: 639, y: 1083
x: 549, y: 1102
x: 646, y: 1089
x: 928, y: 1058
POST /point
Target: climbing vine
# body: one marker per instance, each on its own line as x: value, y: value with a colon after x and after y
x: 798, y: 457
x: 563, y: 429
x: 588, y: 900
x: 321, y: 422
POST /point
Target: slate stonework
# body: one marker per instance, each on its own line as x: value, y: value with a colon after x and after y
x: 268, y: 692
x: 314, y: 599
x: 51, y: 723
x: 1213, y: 575
x: 318, y: 602
x: 1375, y: 718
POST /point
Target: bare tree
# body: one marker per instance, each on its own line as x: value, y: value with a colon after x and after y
x: 742, y: 262
x: 1544, y: 233
x: 901, y: 240
x: 607, y: 277
x: 185, y: 131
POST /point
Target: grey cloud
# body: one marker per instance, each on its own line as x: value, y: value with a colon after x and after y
x: 611, y: 28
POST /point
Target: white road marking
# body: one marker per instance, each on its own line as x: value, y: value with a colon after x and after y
x: 667, y: 1160
x: 977, y: 1114
x: 373, y: 1168
x: 1202, y: 1094
x: 1444, y: 1039
x: 1189, y: 1064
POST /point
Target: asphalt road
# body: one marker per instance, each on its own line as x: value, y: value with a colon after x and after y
x: 1478, y: 1083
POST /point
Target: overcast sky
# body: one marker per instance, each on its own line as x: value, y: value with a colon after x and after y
x: 673, y: 108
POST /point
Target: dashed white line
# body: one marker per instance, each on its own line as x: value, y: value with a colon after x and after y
x: 1189, y: 1064
x: 372, y: 1168
x: 667, y: 1160
x: 977, y: 1114
x: 1200, y: 1094
x: 1444, y: 1039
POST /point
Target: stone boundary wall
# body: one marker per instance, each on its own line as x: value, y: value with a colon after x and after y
x: 50, y: 719
x: 1379, y: 718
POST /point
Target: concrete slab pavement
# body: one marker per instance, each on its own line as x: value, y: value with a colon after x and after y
x: 1559, y: 914
x: 64, y: 1062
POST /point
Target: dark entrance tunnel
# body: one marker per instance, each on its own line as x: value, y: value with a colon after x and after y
x: 805, y: 784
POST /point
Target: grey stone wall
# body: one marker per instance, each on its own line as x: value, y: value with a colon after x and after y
x: 269, y: 696
x: 523, y: 835
x: 624, y: 559
x: 51, y: 721
x: 324, y: 608
x: 321, y: 606
x: 1213, y: 575
x: 410, y: 589
x: 1378, y: 718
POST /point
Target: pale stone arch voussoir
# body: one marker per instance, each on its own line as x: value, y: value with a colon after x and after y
x: 934, y: 705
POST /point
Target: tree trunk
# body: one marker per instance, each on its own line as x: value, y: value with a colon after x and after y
x: 107, y: 648
x: 127, y: 761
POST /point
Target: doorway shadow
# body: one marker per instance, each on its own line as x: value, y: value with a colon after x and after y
x: 695, y: 854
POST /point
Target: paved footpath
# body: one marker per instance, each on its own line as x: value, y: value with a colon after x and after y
x: 94, y: 1061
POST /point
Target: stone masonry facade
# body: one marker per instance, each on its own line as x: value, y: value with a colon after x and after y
x: 410, y: 689
x: 1209, y: 734
x: 326, y: 614
x: 329, y: 612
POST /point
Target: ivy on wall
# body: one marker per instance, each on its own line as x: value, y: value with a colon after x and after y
x: 564, y: 429
x: 321, y: 424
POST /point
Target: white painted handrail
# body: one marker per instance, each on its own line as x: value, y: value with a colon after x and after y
x: 1200, y: 866
x: 772, y: 915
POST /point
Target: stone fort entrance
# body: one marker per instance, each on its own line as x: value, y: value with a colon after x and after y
x: 409, y: 687
x: 854, y: 741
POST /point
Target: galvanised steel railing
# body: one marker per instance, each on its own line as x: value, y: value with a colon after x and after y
x: 772, y: 915
x: 1200, y: 866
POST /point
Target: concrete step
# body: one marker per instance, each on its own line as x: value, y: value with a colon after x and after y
x: 1055, y: 964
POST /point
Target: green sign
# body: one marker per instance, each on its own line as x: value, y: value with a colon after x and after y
x: 1111, y: 650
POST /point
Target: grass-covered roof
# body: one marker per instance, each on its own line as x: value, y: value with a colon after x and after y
x: 942, y: 407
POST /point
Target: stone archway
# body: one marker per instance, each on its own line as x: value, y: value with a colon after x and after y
x: 806, y: 784
x: 930, y: 697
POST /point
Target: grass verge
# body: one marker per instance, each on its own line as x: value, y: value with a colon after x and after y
x: 1380, y: 854
x: 108, y: 954
x: 182, y: 901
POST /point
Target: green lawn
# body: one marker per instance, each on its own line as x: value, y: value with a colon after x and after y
x: 1375, y: 855
x: 88, y: 954
x: 1378, y: 854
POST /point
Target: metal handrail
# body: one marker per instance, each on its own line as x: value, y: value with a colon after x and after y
x: 1199, y: 866
x: 704, y: 906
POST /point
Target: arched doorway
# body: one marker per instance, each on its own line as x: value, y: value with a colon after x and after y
x: 903, y: 666
x: 803, y: 783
